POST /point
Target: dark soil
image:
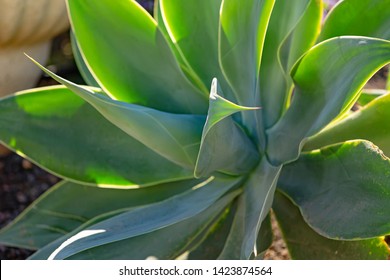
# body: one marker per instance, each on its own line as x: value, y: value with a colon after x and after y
x: 20, y: 184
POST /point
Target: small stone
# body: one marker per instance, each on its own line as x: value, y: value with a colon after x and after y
x: 52, y: 179
x: 21, y: 197
x: 26, y: 164
x: 4, y: 151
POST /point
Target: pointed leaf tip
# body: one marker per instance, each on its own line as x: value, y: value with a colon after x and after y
x: 216, y: 94
x: 236, y: 156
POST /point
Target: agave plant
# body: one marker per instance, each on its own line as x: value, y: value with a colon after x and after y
x: 195, y: 123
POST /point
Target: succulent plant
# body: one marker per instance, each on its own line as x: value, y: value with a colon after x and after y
x: 195, y: 123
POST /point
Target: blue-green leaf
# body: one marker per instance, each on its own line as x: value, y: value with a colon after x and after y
x: 258, y: 194
x: 292, y: 30
x: 142, y: 69
x: 176, y: 238
x: 81, y: 64
x: 241, y: 36
x: 197, y: 21
x: 235, y: 239
x: 56, y: 129
x: 67, y: 205
x: 174, y: 136
x: 369, y: 18
x: 149, y: 218
x: 328, y: 79
x: 209, y: 245
x: 224, y: 146
x: 343, y: 191
x: 370, y: 123
x: 305, y: 244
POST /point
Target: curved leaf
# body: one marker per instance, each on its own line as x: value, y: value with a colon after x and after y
x: 193, y: 21
x: 247, y: 238
x: 305, y: 244
x: 143, y: 69
x: 80, y: 62
x: 368, y: 95
x: 157, y: 13
x: 343, y: 191
x: 210, y: 244
x: 241, y: 36
x: 328, y: 79
x: 146, y: 219
x: 235, y: 239
x: 197, y: 21
x: 369, y: 18
x: 292, y: 30
x: 174, y: 136
x: 224, y: 145
x: 369, y: 123
x: 175, y: 238
x: 45, y: 252
x: 264, y: 237
x: 258, y: 193
x: 67, y: 205
x: 48, y: 124
x: 185, y: 67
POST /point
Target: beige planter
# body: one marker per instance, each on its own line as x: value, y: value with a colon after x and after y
x: 27, y: 26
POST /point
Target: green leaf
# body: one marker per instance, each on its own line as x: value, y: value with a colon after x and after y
x: 303, y: 36
x: 224, y: 146
x: 265, y: 236
x: 146, y: 219
x: 292, y: 30
x: 369, y: 18
x: 258, y: 194
x: 81, y: 64
x: 45, y: 252
x: 343, y: 191
x: 55, y: 129
x: 368, y: 95
x: 305, y: 244
x: 369, y: 123
x: 142, y: 69
x: 328, y: 79
x: 253, y: 207
x: 161, y: 25
x: 67, y: 205
x: 196, y: 21
x: 157, y: 15
x: 184, y: 65
x: 210, y: 244
x: 242, y: 30
x: 235, y: 239
x: 174, y: 136
x: 175, y: 238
